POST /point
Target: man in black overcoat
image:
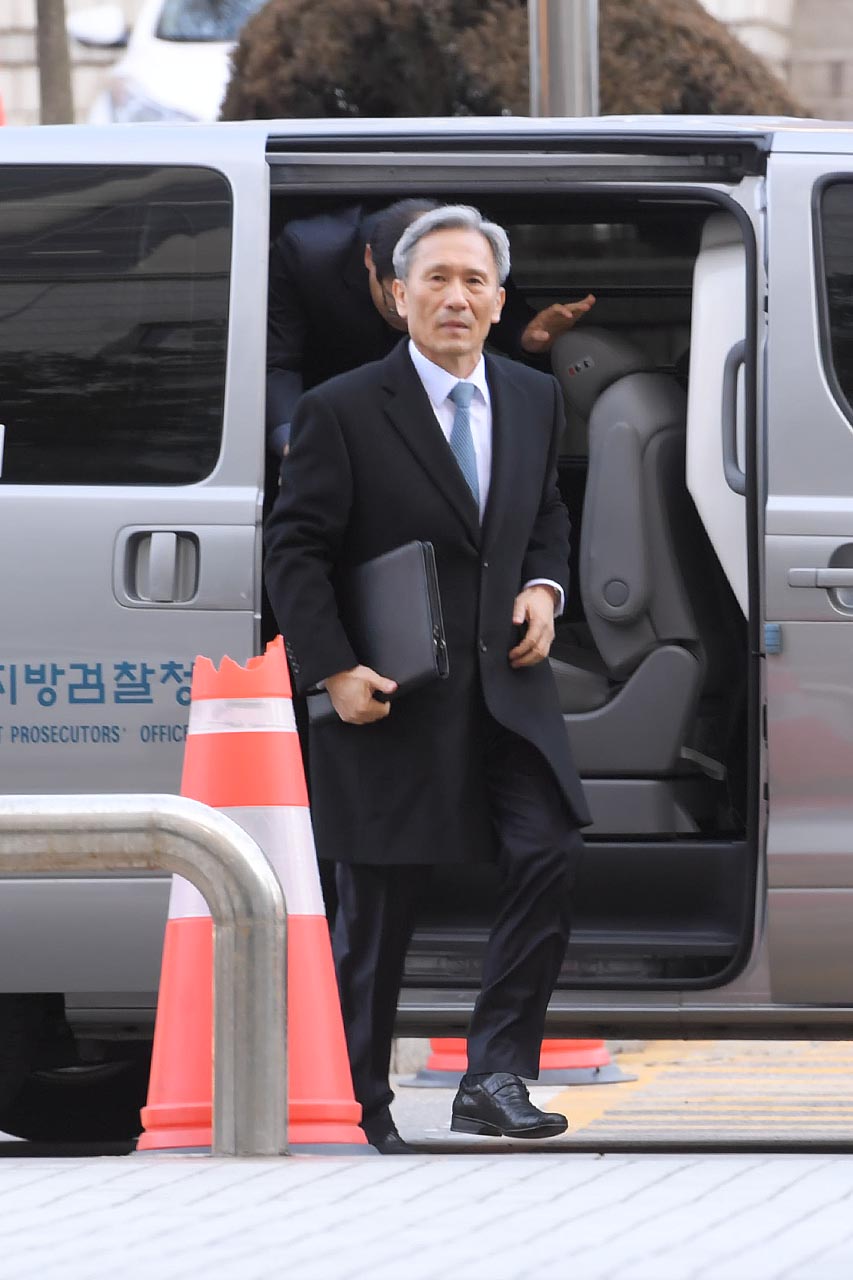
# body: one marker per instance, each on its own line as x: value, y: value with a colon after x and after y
x: 438, y: 443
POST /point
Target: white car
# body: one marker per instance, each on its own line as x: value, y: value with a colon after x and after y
x: 176, y: 64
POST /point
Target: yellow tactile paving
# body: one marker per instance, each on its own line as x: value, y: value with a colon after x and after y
x: 716, y: 1089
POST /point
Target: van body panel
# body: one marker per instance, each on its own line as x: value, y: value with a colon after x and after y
x: 104, y: 930
x: 812, y: 137
x: 809, y: 544
x: 811, y: 941
x: 113, y: 589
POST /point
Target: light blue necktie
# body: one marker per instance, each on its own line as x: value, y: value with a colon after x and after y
x: 461, y: 440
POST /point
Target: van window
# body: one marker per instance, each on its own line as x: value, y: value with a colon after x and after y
x: 836, y: 225
x: 638, y: 264
x: 113, y: 323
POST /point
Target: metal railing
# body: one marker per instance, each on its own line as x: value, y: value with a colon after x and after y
x: 162, y: 832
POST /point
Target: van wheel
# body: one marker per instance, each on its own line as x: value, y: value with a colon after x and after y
x: 88, y: 1102
x: 23, y: 1019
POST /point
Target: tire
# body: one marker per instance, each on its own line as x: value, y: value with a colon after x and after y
x: 82, y: 1103
x: 23, y: 1022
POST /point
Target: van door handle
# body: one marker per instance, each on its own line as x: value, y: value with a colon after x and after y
x: 162, y: 563
x: 735, y: 475
x: 161, y: 567
x: 210, y: 567
x: 827, y: 578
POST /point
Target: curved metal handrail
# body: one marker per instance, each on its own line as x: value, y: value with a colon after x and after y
x: 151, y: 832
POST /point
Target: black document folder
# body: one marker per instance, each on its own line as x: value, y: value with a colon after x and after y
x: 392, y: 613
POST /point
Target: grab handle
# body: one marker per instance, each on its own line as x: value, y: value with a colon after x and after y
x: 735, y: 475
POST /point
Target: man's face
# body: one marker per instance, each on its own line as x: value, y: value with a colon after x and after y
x: 452, y: 297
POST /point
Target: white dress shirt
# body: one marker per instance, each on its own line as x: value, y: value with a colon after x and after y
x: 438, y: 384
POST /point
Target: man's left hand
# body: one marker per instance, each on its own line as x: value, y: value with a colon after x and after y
x: 554, y: 320
x: 535, y: 606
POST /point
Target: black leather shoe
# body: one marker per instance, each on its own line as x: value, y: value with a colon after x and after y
x: 499, y: 1106
x: 381, y: 1133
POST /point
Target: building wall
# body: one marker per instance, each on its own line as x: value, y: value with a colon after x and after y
x: 808, y: 42
x: 19, y: 85
x: 762, y: 25
x: 821, y: 60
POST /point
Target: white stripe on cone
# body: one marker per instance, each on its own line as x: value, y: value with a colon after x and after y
x: 241, y: 715
x: 285, y: 835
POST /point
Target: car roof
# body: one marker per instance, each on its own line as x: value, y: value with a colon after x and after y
x: 161, y: 141
x: 661, y: 124
x: 785, y: 133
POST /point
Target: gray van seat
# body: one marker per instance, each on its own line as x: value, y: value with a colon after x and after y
x: 582, y: 681
x: 584, y: 369
x: 608, y: 353
x: 629, y: 698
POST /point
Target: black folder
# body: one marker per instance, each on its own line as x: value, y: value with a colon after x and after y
x: 391, y: 610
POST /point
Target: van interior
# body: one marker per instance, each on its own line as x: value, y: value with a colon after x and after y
x: 652, y: 654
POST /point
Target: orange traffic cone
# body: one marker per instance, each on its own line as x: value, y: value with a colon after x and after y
x: 242, y: 756
x: 560, y: 1062
x: 578, y: 1062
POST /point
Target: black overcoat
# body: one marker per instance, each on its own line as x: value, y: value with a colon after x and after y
x: 369, y: 470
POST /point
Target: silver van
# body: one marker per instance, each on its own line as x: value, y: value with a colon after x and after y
x: 705, y: 661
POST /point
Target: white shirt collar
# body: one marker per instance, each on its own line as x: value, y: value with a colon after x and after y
x: 438, y: 383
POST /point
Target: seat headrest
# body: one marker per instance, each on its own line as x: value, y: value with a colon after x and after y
x: 721, y: 230
x: 587, y: 360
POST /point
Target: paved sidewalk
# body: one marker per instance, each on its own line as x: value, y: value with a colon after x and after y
x: 513, y: 1217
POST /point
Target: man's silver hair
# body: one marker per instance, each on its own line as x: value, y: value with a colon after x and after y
x: 451, y: 217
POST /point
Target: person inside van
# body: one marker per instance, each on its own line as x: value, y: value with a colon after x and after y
x: 331, y: 307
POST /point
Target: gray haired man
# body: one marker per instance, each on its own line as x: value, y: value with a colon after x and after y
x: 438, y: 443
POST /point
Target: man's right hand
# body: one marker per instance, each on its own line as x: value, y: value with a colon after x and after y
x: 352, y: 695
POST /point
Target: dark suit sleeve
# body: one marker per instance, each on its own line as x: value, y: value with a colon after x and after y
x: 285, y: 337
x: 547, y: 554
x: 304, y: 536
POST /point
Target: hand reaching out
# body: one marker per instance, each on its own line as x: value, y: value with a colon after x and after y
x: 559, y: 318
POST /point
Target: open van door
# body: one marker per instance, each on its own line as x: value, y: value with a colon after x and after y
x: 809, y: 568
x: 663, y: 222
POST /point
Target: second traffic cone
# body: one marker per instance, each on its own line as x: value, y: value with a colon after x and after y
x: 578, y: 1062
x: 560, y: 1062
x: 242, y: 757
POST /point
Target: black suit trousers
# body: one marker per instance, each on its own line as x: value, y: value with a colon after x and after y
x: 539, y: 848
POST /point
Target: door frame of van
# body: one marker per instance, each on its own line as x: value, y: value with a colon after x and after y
x: 349, y: 169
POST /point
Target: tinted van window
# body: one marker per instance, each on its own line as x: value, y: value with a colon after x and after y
x: 836, y: 218
x: 113, y: 323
